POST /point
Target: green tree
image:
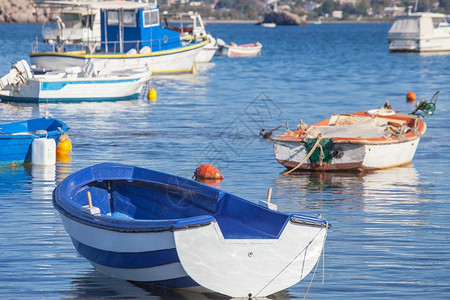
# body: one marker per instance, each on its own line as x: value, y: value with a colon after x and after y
x: 327, y: 7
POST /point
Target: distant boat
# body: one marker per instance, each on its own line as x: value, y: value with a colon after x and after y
x: 195, y: 29
x: 74, y: 25
x: 132, y: 37
x: 269, y: 25
x: 71, y: 85
x: 367, y: 140
x: 160, y: 229
x: 419, y: 32
x: 318, y: 22
x: 16, y: 138
x: 233, y: 49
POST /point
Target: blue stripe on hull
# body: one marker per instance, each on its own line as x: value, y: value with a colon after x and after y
x: 58, y: 85
x: 127, y: 260
x: 52, y: 100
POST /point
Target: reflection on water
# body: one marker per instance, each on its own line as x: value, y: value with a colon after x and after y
x: 394, y: 184
x: 93, y: 284
x: 12, y: 112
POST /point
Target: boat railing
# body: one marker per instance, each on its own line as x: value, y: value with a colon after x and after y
x: 40, y: 45
x: 154, y: 44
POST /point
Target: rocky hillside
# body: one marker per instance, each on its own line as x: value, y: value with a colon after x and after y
x: 22, y: 11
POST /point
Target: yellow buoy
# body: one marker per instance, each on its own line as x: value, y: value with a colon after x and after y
x: 64, y: 145
x: 152, y: 95
x: 63, y: 157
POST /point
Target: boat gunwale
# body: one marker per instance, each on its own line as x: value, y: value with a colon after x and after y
x: 81, y: 55
x: 382, y: 140
x: 28, y: 134
x: 69, y: 186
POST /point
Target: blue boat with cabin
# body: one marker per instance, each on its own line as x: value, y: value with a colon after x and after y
x: 131, y: 37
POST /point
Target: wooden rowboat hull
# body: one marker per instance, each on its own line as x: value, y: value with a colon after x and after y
x: 354, y: 157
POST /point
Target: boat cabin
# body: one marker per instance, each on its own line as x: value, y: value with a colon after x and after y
x: 126, y: 30
x: 418, y: 25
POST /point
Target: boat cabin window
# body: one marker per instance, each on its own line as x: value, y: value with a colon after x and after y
x: 151, y: 18
x: 129, y: 18
x: 113, y: 18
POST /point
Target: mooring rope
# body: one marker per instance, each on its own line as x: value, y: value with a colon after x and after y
x: 323, y: 266
x: 319, y: 138
x: 289, y: 263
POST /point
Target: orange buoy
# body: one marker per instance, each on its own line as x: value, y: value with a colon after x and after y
x: 411, y: 97
x: 207, y: 171
x: 64, y: 145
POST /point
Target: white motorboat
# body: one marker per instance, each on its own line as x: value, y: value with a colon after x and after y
x: 192, y: 29
x: 419, y: 32
x: 72, y: 85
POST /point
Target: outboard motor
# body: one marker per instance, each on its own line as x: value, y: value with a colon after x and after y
x: 19, y: 73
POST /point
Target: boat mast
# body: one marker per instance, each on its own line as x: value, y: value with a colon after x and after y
x: 106, y: 35
x: 120, y: 31
x: 416, y: 3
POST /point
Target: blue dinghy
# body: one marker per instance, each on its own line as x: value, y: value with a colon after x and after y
x: 16, y: 138
x: 143, y: 225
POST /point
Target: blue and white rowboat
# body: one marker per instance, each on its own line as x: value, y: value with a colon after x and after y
x: 16, y: 138
x: 156, y: 228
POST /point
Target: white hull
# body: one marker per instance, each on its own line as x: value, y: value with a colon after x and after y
x: 356, y: 156
x: 269, y: 25
x: 424, y: 44
x: 53, y: 89
x: 224, y: 265
x: 240, y: 50
x: 208, y: 52
x: 206, y: 55
x: 220, y: 265
x: 166, y: 62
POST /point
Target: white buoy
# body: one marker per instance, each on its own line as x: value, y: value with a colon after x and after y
x: 43, y: 152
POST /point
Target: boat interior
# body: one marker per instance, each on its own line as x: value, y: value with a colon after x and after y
x: 34, y: 126
x: 358, y: 126
x: 153, y: 202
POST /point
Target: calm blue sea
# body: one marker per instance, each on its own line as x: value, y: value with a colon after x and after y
x: 391, y: 228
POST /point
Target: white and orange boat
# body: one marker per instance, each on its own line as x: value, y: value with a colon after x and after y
x: 374, y: 139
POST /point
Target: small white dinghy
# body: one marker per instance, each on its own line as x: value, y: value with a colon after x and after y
x: 234, y: 50
x: 72, y: 85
